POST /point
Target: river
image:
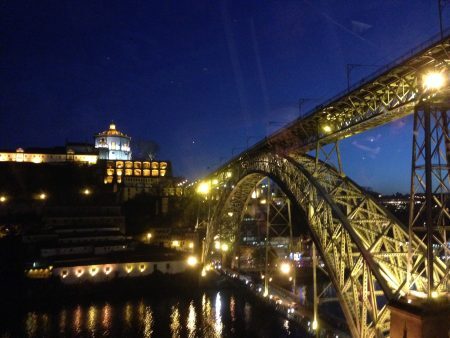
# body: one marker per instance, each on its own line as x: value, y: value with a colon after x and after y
x: 200, y: 313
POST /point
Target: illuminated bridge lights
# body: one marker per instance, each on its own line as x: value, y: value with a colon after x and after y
x: 433, y: 81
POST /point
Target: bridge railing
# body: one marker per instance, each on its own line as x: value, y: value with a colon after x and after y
x: 384, y: 69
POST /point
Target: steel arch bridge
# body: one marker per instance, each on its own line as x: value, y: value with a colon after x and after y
x: 371, y: 258
x: 364, y: 248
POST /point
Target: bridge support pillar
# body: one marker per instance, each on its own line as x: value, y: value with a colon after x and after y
x: 427, y: 321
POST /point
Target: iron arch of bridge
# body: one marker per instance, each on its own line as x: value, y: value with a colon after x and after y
x: 364, y: 248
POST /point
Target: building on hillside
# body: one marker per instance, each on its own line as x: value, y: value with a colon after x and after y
x: 113, y: 144
x: 75, y: 153
x: 79, y: 231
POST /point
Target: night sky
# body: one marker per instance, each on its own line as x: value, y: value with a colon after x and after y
x: 201, y: 78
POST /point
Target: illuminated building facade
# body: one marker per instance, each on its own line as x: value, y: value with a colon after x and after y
x: 113, y: 144
x: 51, y: 155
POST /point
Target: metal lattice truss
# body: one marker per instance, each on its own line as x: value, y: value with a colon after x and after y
x: 364, y: 248
x: 391, y: 93
x: 429, y: 215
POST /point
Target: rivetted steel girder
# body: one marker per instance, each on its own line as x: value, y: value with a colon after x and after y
x: 348, y: 227
x: 390, y: 94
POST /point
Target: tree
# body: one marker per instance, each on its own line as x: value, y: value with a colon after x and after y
x: 145, y: 149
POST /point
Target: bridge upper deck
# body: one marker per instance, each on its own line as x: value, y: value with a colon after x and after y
x: 390, y: 93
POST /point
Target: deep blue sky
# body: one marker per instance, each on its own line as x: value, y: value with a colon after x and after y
x: 200, y: 77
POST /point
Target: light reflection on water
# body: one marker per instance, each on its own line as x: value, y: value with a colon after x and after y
x: 218, y: 326
x: 209, y: 315
x: 175, y: 325
x: 191, y: 319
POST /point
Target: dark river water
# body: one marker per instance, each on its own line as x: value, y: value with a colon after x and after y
x: 206, y: 313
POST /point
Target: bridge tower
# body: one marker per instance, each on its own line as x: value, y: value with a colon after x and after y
x: 429, y: 215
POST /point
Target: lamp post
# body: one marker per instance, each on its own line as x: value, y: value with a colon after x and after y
x: 203, y: 189
x: 302, y: 101
x: 350, y: 67
x: 441, y: 5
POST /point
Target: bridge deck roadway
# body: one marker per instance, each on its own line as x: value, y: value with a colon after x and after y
x: 388, y: 94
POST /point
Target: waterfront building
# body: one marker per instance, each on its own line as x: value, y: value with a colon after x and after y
x: 113, y: 144
x: 180, y: 239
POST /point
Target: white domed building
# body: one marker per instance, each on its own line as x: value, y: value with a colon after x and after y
x: 113, y: 144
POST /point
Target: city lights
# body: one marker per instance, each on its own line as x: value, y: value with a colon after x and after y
x: 217, y: 245
x: 314, y: 325
x: 86, y: 192
x: 203, y: 188
x: 326, y: 128
x: 192, y: 261
x: 93, y: 271
x: 224, y: 247
x: 285, y: 268
x: 42, y: 196
x: 433, y: 81
x: 3, y: 199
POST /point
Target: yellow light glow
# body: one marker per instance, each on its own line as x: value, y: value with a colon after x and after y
x: 203, y: 273
x: 149, y: 236
x: 433, y: 81
x: 314, y: 325
x: 86, y: 191
x: 434, y: 294
x: 142, y: 267
x: 326, y: 128
x: 224, y: 247
x: 285, y: 268
x: 229, y: 174
x: 93, y: 271
x: 42, y: 196
x: 79, y: 272
x: 215, y: 181
x: 263, y: 201
x: 175, y: 244
x: 217, y: 245
x: 191, y: 245
x: 230, y: 214
x: 192, y: 261
x: 2, y: 199
x: 203, y: 188
x: 129, y: 268
x: 107, y: 270
x: 64, y: 273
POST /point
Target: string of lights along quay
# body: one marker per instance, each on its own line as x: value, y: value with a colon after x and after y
x: 388, y: 278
